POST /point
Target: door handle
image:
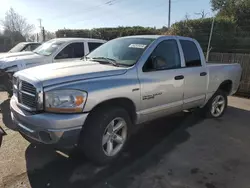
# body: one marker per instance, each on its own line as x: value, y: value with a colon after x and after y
x: 180, y: 77
x: 203, y: 74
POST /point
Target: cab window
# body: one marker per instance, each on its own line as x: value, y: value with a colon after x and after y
x: 165, y: 56
x: 93, y: 45
x: 73, y: 50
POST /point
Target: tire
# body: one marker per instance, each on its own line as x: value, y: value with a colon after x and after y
x: 99, y: 133
x: 210, y: 110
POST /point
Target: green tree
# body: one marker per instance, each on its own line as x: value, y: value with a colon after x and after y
x: 224, y: 7
x: 239, y: 10
x: 110, y: 33
x: 224, y: 39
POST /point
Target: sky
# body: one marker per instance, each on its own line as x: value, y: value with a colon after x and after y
x: 86, y: 14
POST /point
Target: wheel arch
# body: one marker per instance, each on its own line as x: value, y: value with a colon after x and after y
x: 226, y: 86
x: 123, y: 102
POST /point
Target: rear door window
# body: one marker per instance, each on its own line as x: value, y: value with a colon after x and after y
x: 191, y: 53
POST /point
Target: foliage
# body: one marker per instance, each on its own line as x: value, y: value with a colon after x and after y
x: 13, y: 23
x: 5, y: 43
x: 49, y: 35
x: 110, y: 33
x: 16, y: 29
x: 227, y: 36
x: 239, y: 10
x: 9, y: 39
x: 224, y: 7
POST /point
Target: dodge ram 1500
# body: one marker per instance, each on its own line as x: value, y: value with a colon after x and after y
x: 96, y: 102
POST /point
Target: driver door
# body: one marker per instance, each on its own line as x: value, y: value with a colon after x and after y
x: 71, y: 52
x: 162, y: 82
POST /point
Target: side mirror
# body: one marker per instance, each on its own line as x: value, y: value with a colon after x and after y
x: 158, y: 62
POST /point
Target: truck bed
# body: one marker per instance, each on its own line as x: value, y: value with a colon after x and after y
x: 231, y: 72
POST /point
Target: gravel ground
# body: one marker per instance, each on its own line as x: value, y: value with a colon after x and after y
x: 179, y: 151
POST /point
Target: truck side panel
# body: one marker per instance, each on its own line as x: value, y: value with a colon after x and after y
x: 218, y: 73
x: 107, y: 88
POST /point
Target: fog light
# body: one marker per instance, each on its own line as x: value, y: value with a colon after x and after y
x: 44, y: 136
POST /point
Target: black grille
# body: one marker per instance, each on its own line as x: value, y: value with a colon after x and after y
x: 27, y: 87
x: 28, y: 100
x: 27, y: 94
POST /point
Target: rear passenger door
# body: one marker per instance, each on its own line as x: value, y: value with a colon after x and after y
x: 72, y: 51
x: 195, y: 74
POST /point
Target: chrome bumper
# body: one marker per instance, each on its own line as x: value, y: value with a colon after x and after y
x: 48, y: 128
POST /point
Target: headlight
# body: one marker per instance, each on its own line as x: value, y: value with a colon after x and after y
x: 65, y: 101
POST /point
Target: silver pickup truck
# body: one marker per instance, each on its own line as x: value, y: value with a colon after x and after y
x: 52, y: 51
x: 96, y: 102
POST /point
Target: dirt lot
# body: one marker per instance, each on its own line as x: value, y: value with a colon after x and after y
x: 181, y: 151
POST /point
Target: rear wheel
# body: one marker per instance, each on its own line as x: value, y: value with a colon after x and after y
x: 217, y: 105
x: 105, y: 134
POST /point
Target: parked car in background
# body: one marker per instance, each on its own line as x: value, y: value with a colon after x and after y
x: 96, y: 102
x: 53, y: 51
x: 21, y: 47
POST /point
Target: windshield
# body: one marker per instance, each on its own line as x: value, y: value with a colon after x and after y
x: 48, y: 48
x: 125, y: 51
x: 18, y: 48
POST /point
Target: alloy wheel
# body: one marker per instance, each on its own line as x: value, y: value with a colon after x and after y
x: 218, y: 106
x: 114, y: 136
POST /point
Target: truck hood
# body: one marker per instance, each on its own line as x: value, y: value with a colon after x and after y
x: 18, y: 58
x: 58, y: 73
x: 8, y: 54
x: 2, y: 54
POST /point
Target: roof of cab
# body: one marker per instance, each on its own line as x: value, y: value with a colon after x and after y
x: 77, y: 39
x: 30, y: 43
x: 156, y: 36
x: 144, y: 36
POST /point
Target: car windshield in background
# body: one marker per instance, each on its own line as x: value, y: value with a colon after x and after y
x: 125, y: 51
x: 48, y: 48
x: 18, y: 47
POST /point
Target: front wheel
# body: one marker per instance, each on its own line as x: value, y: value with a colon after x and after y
x: 217, y: 105
x: 105, y: 134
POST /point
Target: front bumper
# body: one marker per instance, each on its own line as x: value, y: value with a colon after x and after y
x: 48, y: 128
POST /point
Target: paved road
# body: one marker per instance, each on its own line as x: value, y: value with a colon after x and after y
x: 178, y: 151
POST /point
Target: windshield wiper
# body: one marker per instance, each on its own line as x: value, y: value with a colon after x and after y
x: 106, y: 59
